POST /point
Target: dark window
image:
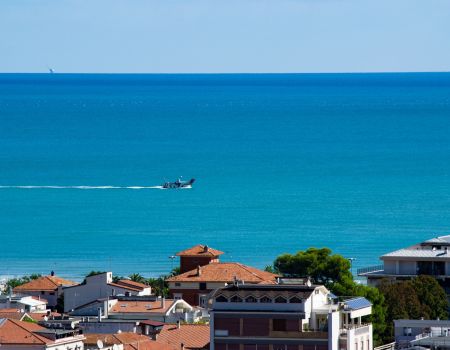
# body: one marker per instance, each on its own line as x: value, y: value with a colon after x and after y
x: 52, y: 293
x: 202, y: 286
x: 236, y: 299
x: 280, y: 300
x: 221, y: 299
x: 177, y: 284
x: 265, y: 299
x: 279, y: 324
x: 251, y: 299
x: 295, y: 300
x: 42, y: 292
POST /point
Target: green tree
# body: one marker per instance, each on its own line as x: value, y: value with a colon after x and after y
x: 136, y: 277
x: 431, y: 296
x: 319, y: 264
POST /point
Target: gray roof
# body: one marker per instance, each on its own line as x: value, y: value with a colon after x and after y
x: 357, y: 303
x: 418, y: 253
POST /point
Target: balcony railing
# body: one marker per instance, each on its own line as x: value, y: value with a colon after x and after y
x: 376, y: 268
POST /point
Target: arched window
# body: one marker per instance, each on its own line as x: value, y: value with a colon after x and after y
x: 236, y: 299
x: 221, y: 299
x: 251, y: 299
x: 280, y: 300
x: 265, y: 299
x: 295, y: 300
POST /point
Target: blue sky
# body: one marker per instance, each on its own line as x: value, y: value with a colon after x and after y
x: 168, y: 36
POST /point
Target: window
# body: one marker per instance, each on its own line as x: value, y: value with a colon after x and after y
x: 295, y: 300
x: 42, y: 292
x: 236, y: 299
x: 316, y: 291
x: 51, y: 293
x: 280, y: 300
x: 279, y: 324
x: 203, y: 300
x: 265, y: 299
x: 177, y: 296
x: 202, y: 286
x: 177, y: 284
x: 251, y: 299
x: 221, y: 299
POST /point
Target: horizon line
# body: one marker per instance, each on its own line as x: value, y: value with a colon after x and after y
x: 226, y: 73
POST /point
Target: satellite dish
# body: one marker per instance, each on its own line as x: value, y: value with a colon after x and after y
x: 72, y: 325
x: 115, y: 347
x: 99, y: 344
x: 119, y: 331
x: 45, y: 318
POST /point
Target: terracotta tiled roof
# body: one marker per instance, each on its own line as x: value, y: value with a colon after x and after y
x: 133, y: 284
x: 20, y: 332
x: 125, y: 306
x: 130, y: 341
x: 44, y: 283
x: 193, y: 336
x: 200, y: 250
x: 13, y: 314
x: 39, y: 316
x: 124, y: 286
x: 225, y: 272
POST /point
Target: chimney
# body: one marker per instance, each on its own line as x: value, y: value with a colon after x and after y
x: 179, y: 326
x: 163, y: 302
x: 52, y: 273
x: 199, y: 270
x: 205, y: 248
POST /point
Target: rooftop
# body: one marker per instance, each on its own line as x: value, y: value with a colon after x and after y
x: 131, y: 341
x: 44, y: 283
x: 142, y: 306
x: 20, y: 332
x: 14, y: 314
x: 193, y: 336
x: 225, y: 272
x: 199, y: 251
x: 432, y: 248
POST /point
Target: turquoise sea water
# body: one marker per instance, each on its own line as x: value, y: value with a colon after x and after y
x: 356, y: 162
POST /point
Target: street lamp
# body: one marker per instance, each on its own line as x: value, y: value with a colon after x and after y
x: 171, y: 258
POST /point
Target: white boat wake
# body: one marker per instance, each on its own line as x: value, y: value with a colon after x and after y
x: 87, y: 187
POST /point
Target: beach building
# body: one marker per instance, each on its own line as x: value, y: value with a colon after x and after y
x: 20, y: 335
x: 202, y: 272
x: 181, y: 336
x: 431, y: 257
x: 46, y: 287
x: 28, y: 304
x: 424, y: 333
x: 100, y: 286
x: 287, y: 317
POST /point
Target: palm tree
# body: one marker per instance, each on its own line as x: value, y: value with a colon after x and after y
x: 136, y: 277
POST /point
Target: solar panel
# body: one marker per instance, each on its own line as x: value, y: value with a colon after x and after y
x: 357, y: 303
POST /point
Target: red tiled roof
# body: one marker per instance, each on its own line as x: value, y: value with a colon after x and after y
x: 200, y: 250
x: 193, y: 336
x: 13, y: 314
x: 39, y: 316
x: 133, y: 284
x: 225, y: 272
x: 125, y: 306
x: 123, y: 286
x: 131, y: 341
x: 20, y: 332
x: 44, y: 283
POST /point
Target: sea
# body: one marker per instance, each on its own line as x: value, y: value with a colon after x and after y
x: 358, y: 163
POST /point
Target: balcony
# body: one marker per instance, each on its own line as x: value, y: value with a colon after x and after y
x: 357, y: 329
x: 370, y: 270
